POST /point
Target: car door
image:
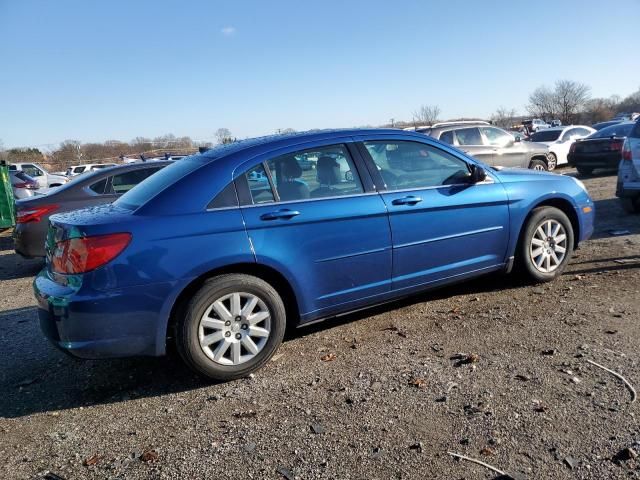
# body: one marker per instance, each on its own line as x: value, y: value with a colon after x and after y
x: 561, y: 148
x: 443, y: 227
x: 325, y: 229
x: 470, y: 141
x: 506, y: 151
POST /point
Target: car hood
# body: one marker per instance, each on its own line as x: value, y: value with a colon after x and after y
x: 523, y: 174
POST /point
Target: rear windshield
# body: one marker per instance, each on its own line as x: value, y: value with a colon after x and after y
x: 149, y: 188
x: 619, y: 130
x: 546, y: 135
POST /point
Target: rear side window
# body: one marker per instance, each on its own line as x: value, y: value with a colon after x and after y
x: 259, y: 185
x: 226, y: 198
x: 124, y: 182
x: 153, y: 185
x: 546, y: 136
x: 447, y: 137
x: 469, y: 136
x: 315, y: 173
x: 99, y: 187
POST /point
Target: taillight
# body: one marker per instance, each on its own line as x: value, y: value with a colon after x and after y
x: 81, y: 255
x: 616, y: 146
x: 626, y: 151
x: 34, y: 214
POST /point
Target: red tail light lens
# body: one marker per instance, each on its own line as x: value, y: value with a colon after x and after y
x: 34, y: 214
x: 81, y: 255
x: 626, y: 151
x: 616, y: 146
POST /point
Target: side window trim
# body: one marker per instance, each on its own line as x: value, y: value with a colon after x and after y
x: 274, y: 190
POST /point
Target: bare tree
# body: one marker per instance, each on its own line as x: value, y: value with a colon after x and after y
x: 571, y: 97
x: 426, y: 115
x: 504, y: 117
x: 565, y: 101
x: 223, y: 135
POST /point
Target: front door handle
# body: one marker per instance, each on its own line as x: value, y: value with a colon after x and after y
x: 410, y: 200
x: 280, y: 215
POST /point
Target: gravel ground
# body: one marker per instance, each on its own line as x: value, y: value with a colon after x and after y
x: 391, y: 404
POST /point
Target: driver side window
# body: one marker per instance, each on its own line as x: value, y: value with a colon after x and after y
x: 408, y: 165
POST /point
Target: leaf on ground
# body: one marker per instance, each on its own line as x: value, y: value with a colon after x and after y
x: 329, y: 357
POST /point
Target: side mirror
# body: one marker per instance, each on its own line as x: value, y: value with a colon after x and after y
x: 477, y: 174
x: 517, y: 138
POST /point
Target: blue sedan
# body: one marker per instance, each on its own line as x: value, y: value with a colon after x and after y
x: 221, y: 251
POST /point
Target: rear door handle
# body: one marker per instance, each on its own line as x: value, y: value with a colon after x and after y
x: 410, y: 200
x: 280, y: 215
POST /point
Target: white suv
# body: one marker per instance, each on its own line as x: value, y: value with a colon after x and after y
x: 39, y: 174
x: 628, y: 186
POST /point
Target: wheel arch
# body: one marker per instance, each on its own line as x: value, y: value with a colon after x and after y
x: 539, y: 156
x: 266, y: 273
x: 562, y: 204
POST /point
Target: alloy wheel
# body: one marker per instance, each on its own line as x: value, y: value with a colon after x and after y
x: 548, y: 247
x: 234, y: 328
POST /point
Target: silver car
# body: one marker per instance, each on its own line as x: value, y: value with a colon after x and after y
x: 491, y: 145
x: 23, y: 185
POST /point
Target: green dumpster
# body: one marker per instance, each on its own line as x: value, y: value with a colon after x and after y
x: 7, y: 206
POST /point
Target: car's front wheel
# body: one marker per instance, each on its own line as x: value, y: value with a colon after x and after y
x: 552, y: 161
x: 232, y: 326
x: 537, y: 165
x: 546, y: 244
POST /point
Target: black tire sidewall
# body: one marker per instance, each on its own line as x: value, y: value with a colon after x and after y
x: 534, y: 161
x: 537, y: 217
x: 187, y: 332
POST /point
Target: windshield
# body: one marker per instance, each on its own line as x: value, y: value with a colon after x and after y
x: 619, y: 130
x: 546, y: 136
x: 149, y: 188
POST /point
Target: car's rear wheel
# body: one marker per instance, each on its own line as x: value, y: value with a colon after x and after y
x: 552, y: 161
x: 546, y: 244
x: 584, y: 171
x: 232, y: 326
x: 537, y: 165
x: 631, y: 205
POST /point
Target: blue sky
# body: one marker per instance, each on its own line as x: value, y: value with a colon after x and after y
x: 117, y: 69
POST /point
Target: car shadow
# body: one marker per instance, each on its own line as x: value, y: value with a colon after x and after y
x: 613, y: 221
x: 36, y: 377
x: 12, y: 266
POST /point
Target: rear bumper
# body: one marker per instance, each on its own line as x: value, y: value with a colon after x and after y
x: 595, y: 160
x: 627, y: 189
x: 29, y: 239
x: 117, y: 323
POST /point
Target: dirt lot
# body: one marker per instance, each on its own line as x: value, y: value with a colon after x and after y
x: 390, y: 405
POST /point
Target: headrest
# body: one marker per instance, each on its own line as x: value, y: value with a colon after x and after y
x: 290, y: 168
x: 328, y: 171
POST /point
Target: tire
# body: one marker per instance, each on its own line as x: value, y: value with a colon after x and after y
x: 537, y: 165
x: 191, y: 332
x: 631, y: 205
x: 584, y: 171
x: 552, y: 162
x: 532, y: 239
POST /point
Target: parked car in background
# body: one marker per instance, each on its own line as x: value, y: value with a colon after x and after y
x: 556, y: 123
x: 22, y: 184
x: 200, y: 255
x: 491, y: 145
x: 90, y: 189
x: 628, y: 185
x: 601, y: 149
x: 601, y: 125
x: 559, y: 141
x: 74, y: 170
x: 37, y: 172
x: 535, y: 125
